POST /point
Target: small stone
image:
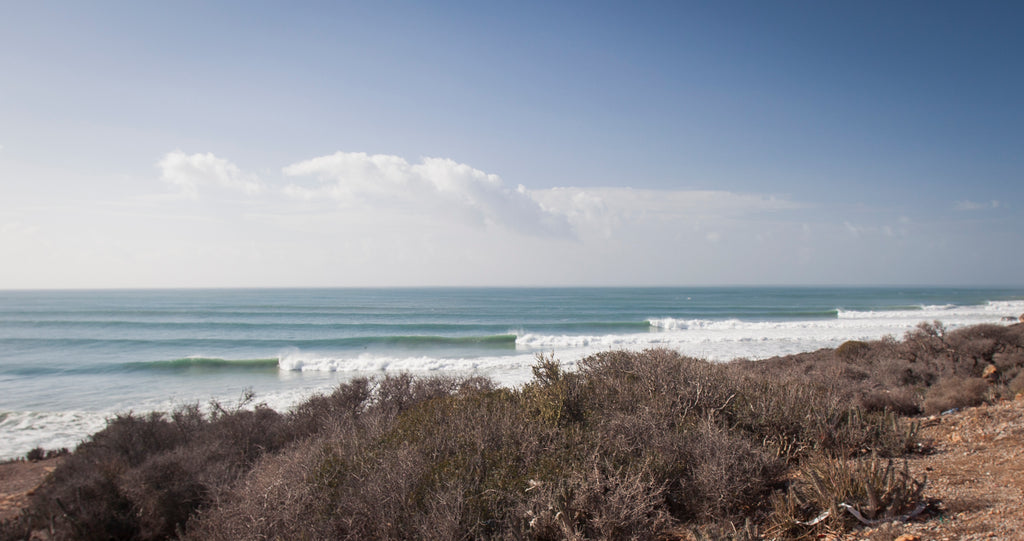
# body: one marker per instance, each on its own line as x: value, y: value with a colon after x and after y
x: 908, y: 537
x: 990, y: 372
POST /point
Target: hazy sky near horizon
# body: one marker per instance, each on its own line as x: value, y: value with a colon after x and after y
x: 212, y: 144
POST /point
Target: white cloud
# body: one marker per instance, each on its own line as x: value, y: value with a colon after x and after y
x: 968, y: 205
x: 438, y: 187
x: 190, y: 172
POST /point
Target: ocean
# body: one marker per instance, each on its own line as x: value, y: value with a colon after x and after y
x: 71, y: 359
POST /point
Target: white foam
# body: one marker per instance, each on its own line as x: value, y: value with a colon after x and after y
x: 49, y: 430
x: 714, y: 340
x: 710, y: 339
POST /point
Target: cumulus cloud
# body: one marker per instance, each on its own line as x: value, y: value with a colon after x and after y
x: 190, y: 172
x: 968, y: 205
x: 383, y: 191
x: 437, y: 186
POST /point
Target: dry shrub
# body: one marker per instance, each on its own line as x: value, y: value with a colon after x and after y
x: 901, y: 400
x: 601, y: 502
x: 555, y: 396
x: 166, y: 489
x: 955, y: 392
x: 322, y: 412
x: 852, y: 350
x: 729, y: 477
x: 823, y: 495
x: 395, y: 394
x: 427, y: 459
x: 1016, y: 385
x: 662, y: 381
x: 143, y: 477
x: 980, y: 342
x: 1008, y: 360
x: 275, y: 501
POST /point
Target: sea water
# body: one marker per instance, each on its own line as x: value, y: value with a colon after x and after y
x: 71, y: 359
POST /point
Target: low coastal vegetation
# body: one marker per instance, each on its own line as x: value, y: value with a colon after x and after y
x: 631, y: 445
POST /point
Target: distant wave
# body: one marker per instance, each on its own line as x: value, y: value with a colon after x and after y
x: 204, y: 363
x: 943, y: 312
x: 498, y: 341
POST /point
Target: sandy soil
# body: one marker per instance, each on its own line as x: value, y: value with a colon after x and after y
x: 975, y: 477
x: 18, y: 480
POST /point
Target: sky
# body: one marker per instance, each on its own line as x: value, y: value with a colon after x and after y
x: 354, y: 144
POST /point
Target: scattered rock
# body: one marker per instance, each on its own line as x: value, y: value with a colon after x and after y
x: 908, y: 537
x: 990, y: 372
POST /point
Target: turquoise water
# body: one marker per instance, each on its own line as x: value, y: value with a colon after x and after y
x: 68, y: 359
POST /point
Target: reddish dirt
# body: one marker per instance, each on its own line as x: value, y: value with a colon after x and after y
x: 975, y: 477
x: 18, y: 480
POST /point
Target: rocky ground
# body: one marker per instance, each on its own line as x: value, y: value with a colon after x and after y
x: 975, y: 471
x: 18, y: 480
x: 975, y: 477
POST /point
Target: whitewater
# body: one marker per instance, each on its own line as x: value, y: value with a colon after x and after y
x: 71, y: 359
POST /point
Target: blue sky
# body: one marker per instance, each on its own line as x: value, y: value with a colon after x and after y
x: 484, y: 143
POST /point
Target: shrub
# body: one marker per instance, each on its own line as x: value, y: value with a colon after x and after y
x: 600, y: 502
x: 829, y: 494
x: 852, y: 350
x: 1016, y: 385
x: 143, y: 477
x: 955, y: 392
x: 901, y: 400
x: 730, y: 475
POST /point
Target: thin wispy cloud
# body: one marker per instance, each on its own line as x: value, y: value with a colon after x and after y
x: 603, y: 210
x: 968, y: 205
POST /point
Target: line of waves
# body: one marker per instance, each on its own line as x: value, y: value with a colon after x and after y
x: 204, y: 363
x: 125, y: 329
x: 416, y: 341
x: 718, y: 340
x: 896, y: 317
